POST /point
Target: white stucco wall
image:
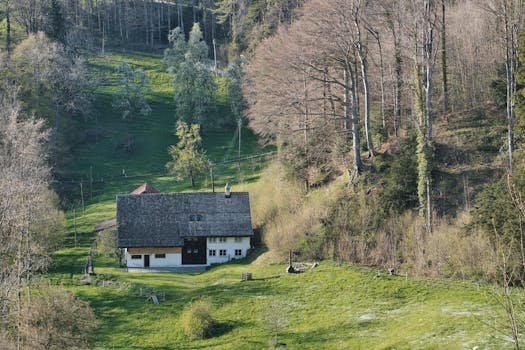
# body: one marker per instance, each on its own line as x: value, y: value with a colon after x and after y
x: 175, y: 259
x: 230, y: 246
x: 172, y: 259
x: 133, y: 262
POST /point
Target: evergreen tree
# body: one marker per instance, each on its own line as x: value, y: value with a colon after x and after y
x: 174, y: 55
x: 197, y: 48
x: 194, y: 92
x: 56, y: 30
x: 188, y: 158
x: 194, y: 86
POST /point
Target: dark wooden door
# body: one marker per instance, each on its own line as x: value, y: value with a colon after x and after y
x: 146, y: 260
x: 194, y: 251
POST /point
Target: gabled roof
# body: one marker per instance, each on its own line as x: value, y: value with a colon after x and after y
x: 146, y: 188
x: 163, y: 220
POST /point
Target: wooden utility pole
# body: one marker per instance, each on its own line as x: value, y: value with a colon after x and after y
x: 214, y: 56
x: 82, y: 198
x: 239, y: 125
x: 212, y: 179
x: 91, y: 181
x: 75, y: 224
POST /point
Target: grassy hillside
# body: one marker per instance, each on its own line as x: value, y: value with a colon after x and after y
x: 96, y: 152
x: 330, y: 307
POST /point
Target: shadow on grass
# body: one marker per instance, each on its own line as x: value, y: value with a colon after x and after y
x: 250, y: 258
x: 266, y: 278
x: 222, y: 328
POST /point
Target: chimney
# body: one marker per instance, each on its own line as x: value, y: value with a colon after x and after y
x: 227, y: 190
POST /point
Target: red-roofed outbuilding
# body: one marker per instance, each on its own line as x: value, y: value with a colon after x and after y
x: 146, y: 188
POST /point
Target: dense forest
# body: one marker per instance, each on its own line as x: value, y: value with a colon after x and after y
x: 398, y: 127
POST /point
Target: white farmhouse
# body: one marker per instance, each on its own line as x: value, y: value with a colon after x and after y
x: 183, y: 229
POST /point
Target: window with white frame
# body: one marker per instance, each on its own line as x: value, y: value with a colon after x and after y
x: 212, y: 239
x: 222, y: 252
x: 212, y: 252
x: 222, y: 239
x: 238, y: 239
x: 136, y: 256
x: 238, y: 252
x: 160, y: 256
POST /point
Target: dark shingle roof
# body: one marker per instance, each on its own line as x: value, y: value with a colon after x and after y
x: 163, y: 220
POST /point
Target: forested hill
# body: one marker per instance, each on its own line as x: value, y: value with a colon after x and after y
x: 385, y: 133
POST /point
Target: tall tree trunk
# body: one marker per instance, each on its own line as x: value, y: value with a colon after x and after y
x: 181, y: 11
x: 146, y: 25
x: 89, y: 13
x: 382, y: 79
x: 159, y: 21
x: 98, y: 16
x: 422, y: 150
x: 305, y: 126
x: 126, y: 19
x: 398, y: 70
x: 213, y: 25
x: 444, y: 67
x: 19, y: 288
x: 151, y: 25
x: 194, y: 11
x: 512, y: 22
x: 77, y: 16
x: 56, y: 123
x: 115, y: 19
x: 192, y: 179
x: 121, y: 30
x: 425, y: 184
x: 364, y: 77
x: 103, y: 37
x: 427, y: 61
x: 352, y: 122
x: 8, y: 27
x: 169, y: 17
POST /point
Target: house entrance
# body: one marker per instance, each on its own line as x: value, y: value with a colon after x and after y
x: 194, y: 251
x: 146, y: 260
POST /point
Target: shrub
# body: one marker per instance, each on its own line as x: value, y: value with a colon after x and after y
x: 196, y: 320
x: 107, y: 243
x: 56, y: 320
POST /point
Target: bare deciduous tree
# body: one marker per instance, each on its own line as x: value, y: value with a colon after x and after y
x: 30, y: 225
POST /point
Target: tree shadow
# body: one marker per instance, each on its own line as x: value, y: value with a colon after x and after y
x: 266, y: 278
x: 223, y: 328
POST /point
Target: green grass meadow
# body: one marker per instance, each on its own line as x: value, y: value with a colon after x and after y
x: 334, y: 306
x: 330, y: 307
